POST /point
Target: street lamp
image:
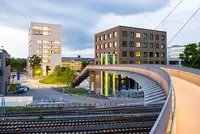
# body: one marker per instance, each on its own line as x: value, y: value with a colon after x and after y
x: 3, y: 111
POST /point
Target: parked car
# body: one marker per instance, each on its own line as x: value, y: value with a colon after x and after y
x: 21, y: 89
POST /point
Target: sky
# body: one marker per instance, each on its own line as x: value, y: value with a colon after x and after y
x: 81, y: 19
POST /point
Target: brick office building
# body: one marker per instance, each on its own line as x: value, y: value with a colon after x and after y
x: 132, y: 45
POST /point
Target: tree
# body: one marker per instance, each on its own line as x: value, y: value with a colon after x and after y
x: 58, y: 71
x: 69, y: 76
x: 84, y: 63
x: 35, y: 61
x: 191, y: 56
x: 17, y: 63
x: 35, y: 65
x: 37, y: 72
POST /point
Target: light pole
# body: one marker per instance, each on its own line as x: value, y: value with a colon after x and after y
x: 3, y: 111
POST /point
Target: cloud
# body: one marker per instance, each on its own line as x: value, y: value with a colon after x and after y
x: 80, y: 20
x: 14, y: 42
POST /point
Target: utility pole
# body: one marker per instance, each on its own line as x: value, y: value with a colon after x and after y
x: 3, y: 111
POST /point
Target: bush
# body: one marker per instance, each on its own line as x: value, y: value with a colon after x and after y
x: 13, y: 87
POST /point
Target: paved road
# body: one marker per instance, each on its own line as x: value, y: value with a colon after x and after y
x: 188, y: 107
x: 45, y: 92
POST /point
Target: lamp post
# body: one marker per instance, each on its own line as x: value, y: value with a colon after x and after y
x: 3, y: 111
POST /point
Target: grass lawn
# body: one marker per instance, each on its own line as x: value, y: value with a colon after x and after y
x: 13, y: 87
x: 38, y: 109
x: 52, y: 79
x: 75, y: 91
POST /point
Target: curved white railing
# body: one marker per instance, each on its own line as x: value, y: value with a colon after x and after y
x: 153, y: 72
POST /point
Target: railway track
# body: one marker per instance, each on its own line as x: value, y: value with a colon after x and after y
x: 131, y: 124
x: 93, y: 111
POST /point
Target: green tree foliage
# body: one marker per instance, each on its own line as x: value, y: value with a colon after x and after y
x: 60, y: 75
x: 35, y: 61
x: 191, y: 56
x: 69, y: 76
x: 19, y: 64
x: 58, y: 71
x: 84, y: 63
x: 36, y: 66
x: 37, y: 72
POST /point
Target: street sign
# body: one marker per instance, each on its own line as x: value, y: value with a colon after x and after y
x: 18, y: 75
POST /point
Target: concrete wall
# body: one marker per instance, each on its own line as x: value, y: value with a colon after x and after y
x: 17, y: 100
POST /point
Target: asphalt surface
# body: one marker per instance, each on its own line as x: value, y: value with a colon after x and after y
x: 42, y: 92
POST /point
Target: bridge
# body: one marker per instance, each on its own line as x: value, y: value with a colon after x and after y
x: 178, y: 87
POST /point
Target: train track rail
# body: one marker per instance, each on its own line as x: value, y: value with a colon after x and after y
x: 104, y: 125
x: 93, y: 111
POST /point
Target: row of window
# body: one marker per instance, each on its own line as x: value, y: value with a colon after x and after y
x: 144, y: 45
x: 99, y: 54
x: 48, y: 42
x: 35, y: 32
x: 45, y: 56
x: 137, y: 62
x: 48, y: 46
x: 48, y: 51
x: 143, y: 62
x: 106, y: 36
x: 145, y: 35
x: 44, y: 28
x: 144, y: 54
x: 107, y: 45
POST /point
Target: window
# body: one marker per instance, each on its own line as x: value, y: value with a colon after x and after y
x: 97, y: 47
x: 110, y: 35
x: 157, y: 62
x: 106, y: 45
x: 96, y: 62
x: 131, y: 53
x: 124, y: 33
x: 97, y: 39
x: 157, y: 46
x: 145, y: 35
x: 110, y: 44
x: 131, y: 62
x: 137, y: 44
x: 101, y: 37
x: 138, y: 54
x: 162, y: 46
x: 150, y: 54
x: 162, y: 62
x: 132, y: 34
x: 145, y: 54
x: 138, y: 35
x: 124, y: 62
x: 150, y: 62
x: 145, y: 62
x: 151, y: 36
x: 101, y: 46
x: 124, y: 43
x: 151, y: 45
x: 156, y: 54
x: 115, y: 34
x: 97, y: 55
x: 157, y: 37
x: 162, y: 37
x: 137, y: 62
x: 115, y: 44
x: 162, y: 54
x: 144, y: 44
x: 124, y: 53
x: 131, y: 43
x: 105, y: 36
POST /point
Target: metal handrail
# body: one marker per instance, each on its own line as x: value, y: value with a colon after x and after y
x: 174, y: 111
